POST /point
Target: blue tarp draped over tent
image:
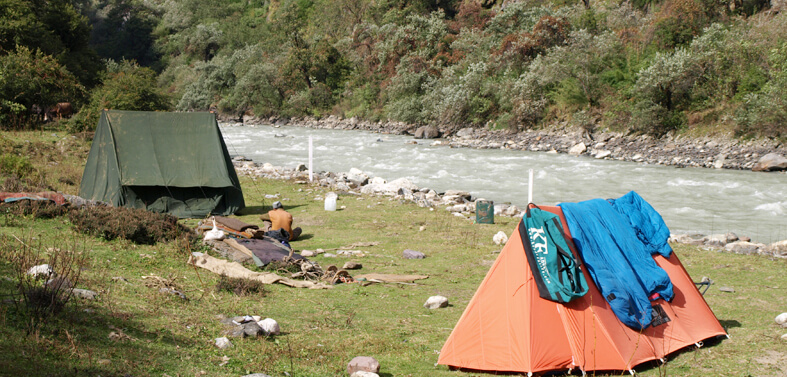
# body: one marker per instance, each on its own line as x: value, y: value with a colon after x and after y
x: 619, y: 262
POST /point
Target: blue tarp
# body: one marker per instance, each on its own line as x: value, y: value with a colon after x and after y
x: 620, y: 264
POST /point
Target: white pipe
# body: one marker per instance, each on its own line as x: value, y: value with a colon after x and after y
x: 530, y: 188
x: 310, y: 158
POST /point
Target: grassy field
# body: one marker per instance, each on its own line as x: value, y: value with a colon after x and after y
x: 133, y: 329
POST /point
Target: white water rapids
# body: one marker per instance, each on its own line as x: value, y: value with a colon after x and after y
x: 691, y: 200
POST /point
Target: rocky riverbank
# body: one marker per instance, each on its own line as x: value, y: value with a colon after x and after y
x: 707, y: 152
x: 463, y: 204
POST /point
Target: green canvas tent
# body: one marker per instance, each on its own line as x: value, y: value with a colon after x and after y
x: 164, y: 162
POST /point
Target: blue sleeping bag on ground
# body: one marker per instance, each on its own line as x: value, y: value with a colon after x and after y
x: 648, y: 224
x: 619, y: 263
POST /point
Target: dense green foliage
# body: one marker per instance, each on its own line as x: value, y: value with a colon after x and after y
x: 653, y: 67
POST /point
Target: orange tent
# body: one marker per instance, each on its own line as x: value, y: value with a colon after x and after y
x: 507, y: 327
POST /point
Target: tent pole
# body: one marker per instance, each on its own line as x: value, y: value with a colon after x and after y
x: 530, y: 188
x: 310, y: 159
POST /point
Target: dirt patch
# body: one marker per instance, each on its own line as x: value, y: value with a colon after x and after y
x: 774, y: 359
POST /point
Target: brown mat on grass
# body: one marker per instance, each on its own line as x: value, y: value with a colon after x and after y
x: 236, y: 270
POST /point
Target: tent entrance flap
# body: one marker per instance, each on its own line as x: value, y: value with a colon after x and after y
x: 182, y: 202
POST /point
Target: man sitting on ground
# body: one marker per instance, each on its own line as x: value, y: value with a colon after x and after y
x: 278, y: 218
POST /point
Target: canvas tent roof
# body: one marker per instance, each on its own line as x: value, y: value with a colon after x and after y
x: 164, y: 162
x: 507, y: 327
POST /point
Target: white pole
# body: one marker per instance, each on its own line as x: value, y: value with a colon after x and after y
x: 530, y: 188
x: 310, y: 159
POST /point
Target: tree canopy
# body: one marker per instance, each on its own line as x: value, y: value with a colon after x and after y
x: 655, y: 66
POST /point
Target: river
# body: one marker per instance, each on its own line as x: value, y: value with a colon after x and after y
x: 691, y: 200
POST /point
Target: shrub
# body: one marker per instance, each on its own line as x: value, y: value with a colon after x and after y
x: 46, y: 294
x: 40, y: 209
x: 461, y: 99
x: 240, y: 287
x: 15, y: 165
x: 30, y: 81
x: 136, y: 225
x: 656, y: 120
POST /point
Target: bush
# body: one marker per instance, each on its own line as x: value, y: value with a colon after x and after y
x: 240, y: 287
x: 43, y: 295
x: 653, y: 119
x: 30, y: 81
x: 466, y: 98
x: 40, y: 209
x: 136, y: 225
x: 15, y: 165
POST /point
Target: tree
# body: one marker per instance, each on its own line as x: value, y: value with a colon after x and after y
x: 126, y: 32
x: 31, y: 81
x: 56, y: 28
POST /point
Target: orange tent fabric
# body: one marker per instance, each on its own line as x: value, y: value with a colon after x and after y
x: 507, y: 327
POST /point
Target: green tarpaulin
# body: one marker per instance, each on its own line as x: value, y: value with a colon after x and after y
x: 164, y: 162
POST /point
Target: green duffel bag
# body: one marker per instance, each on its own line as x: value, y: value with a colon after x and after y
x: 555, y: 268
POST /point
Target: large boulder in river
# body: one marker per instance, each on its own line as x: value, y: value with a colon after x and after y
x: 771, y: 162
x: 465, y: 133
x: 578, y: 149
x: 427, y: 132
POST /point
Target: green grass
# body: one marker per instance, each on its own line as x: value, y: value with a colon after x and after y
x: 324, y: 329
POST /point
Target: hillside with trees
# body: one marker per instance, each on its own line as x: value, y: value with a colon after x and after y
x: 643, y: 66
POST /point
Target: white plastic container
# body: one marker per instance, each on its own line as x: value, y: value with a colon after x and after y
x: 330, y: 201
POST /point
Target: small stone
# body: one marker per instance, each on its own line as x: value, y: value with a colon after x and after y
x: 223, y: 342
x: 269, y: 326
x: 784, y: 337
x: 257, y: 375
x: 236, y: 332
x: 84, y: 294
x: 363, y: 363
x: 252, y: 329
x: 308, y: 253
x: 603, y: 154
x: 436, y: 302
x: 726, y: 289
x: 41, y: 269
x: 500, y: 238
x: 59, y: 283
x: 781, y: 319
x: 352, y: 266
x: 412, y: 254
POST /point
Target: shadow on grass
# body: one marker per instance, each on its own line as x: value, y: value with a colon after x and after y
x: 81, y: 331
x: 729, y: 323
x: 304, y: 236
x: 664, y: 367
x: 258, y: 210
